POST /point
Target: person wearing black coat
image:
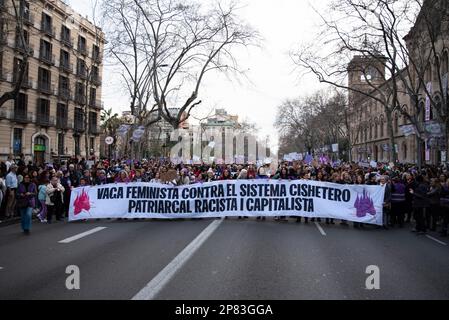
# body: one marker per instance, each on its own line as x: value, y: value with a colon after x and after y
x: 421, y: 204
x: 410, y: 184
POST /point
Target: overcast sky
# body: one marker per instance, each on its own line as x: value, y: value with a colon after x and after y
x: 272, y: 78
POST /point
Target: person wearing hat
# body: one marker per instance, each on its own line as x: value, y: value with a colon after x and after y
x: 210, y: 175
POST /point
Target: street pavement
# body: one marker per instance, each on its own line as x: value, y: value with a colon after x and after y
x: 220, y: 259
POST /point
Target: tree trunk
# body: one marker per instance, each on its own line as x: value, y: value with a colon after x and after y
x: 392, y: 154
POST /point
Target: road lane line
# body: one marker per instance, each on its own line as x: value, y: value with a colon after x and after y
x: 436, y: 240
x: 152, y: 289
x: 320, y: 229
x: 82, y: 235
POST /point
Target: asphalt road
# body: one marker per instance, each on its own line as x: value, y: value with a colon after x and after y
x: 220, y: 259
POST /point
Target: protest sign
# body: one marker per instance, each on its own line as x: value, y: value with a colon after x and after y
x: 359, y: 203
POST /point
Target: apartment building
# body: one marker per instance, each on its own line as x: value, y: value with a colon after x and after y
x: 60, y: 97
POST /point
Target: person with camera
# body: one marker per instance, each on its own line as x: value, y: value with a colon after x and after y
x: 55, y: 200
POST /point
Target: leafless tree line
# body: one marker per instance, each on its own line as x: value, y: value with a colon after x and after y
x: 377, y: 30
x: 310, y: 123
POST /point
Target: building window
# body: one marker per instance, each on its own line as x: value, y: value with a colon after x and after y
x: 92, y: 145
x: 20, y: 107
x: 44, y: 79
x: 65, y: 35
x: 93, y: 122
x: 79, y: 119
x: 61, y: 144
x: 80, y: 68
x: 25, y: 10
x: 17, y: 141
x: 65, y: 59
x: 79, y: 94
x: 61, y: 116
x: 17, y: 69
x: 64, y: 87
x: 95, y: 53
x: 82, y: 45
x: 77, y: 145
x: 46, y: 24
x: 22, y: 44
x: 45, y: 49
x: 43, y: 111
x: 92, y: 97
x: 404, y: 151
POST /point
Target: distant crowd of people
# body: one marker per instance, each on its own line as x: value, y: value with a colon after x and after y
x: 418, y: 196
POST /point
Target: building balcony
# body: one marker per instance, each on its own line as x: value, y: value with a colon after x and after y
x: 28, y: 19
x: 27, y: 83
x: 48, y: 59
x: 78, y: 126
x: 64, y: 94
x: 62, y: 123
x: 48, y: 30
x: 81, y: 74
x: 45, y: 88
x: 97, y: 58
x: 21, y: 48
x: 80, y: 99
x: 67, y: 41
x: 94, y: 130
x: 44, y: 120
x: 95, y: 79
x: 82, y: 50
x: 96, y: 104
x: 66, y: 67
x: 20, y: 116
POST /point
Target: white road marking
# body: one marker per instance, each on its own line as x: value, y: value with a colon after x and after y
x: 152, y: 289
x: 436, y: 240
x: 1, y: 268
x: 320, y: 229
x: 82, y: 235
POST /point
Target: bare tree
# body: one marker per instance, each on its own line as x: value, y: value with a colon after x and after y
x: 12, y: 19
x: 175, y: 44
x: 364, y: 29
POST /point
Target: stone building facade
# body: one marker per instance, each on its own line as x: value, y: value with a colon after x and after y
x: 368, y: 118
x: 62, y: 82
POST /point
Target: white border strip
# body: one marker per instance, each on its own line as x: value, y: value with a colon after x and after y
x: 82, y: 235
x: 320, y: 229
x: 436, y: 240
x: 152, y: 289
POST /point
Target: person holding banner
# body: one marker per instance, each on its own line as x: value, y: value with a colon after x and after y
x: 243, y: 175
x: 421, y: 204
x: 444, y: 203
x: 397, y: 202
x: 54, y: 200
x: 283, y: 175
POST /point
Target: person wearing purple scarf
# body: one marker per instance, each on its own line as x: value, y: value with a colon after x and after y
x: 27, y: 191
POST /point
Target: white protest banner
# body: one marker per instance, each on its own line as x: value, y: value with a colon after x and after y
x: 359, y: 203
x: 335, y: 147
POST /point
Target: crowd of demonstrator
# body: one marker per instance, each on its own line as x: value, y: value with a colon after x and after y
x: 417, y: 196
